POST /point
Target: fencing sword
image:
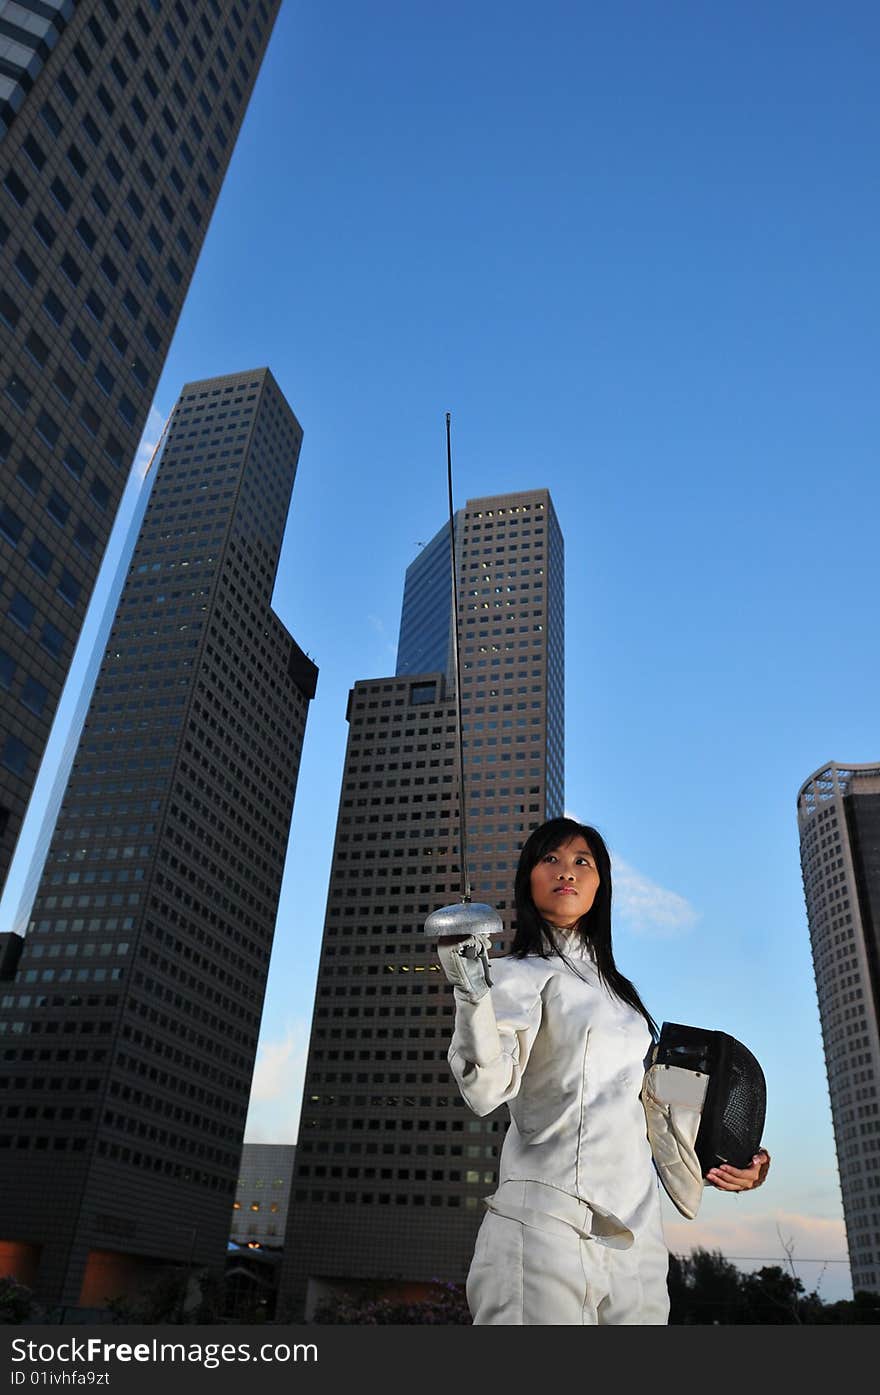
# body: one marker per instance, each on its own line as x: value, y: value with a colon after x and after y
x: 465, y: 919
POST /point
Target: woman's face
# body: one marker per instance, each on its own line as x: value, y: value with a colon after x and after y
x: 564, y: 883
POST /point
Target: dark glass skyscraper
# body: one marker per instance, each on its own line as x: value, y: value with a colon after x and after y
x: 117, y: 122
x: 839, y: 824
x: 391, y: 1167
x: 424, y: 643
x: 129, y: 1030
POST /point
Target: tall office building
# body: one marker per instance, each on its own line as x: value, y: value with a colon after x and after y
x: 18, y: 895
x: 839, y: 823
x: 391, y: 1167
x: 117, y: 123
x: 129, y: 1032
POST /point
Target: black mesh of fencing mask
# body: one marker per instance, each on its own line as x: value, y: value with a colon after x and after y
x: 732, y: 1116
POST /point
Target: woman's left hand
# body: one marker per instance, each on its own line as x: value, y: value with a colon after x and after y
x: 740, y: 1179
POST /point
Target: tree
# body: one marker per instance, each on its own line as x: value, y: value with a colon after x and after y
x: 176, y: 1296
x: 704, y: 1289
x: 860, y: 1309
x: 772, y: 1297
x: 16, y: 1301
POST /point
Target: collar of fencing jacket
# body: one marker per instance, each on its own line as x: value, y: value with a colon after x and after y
x: 571, y: 943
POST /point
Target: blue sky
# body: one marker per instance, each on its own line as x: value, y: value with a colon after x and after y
x: 632, y: 249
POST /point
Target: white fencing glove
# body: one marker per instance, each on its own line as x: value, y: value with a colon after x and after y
x: 464, y: 934
x: 466, y: 965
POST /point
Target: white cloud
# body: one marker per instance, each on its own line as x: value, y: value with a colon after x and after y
x: 378, y: 625
x: 643, y: 906
x: 277, y: 1087
x: 647, y: 908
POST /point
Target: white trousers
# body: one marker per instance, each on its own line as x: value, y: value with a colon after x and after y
x: 531, y: 1267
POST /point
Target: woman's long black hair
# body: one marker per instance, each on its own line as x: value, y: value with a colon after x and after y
x: 534, y: 936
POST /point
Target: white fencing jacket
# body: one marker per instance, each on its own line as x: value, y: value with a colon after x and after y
x: 568, y: 1058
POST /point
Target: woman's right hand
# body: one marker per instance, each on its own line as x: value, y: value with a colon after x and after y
x: 464, y: 960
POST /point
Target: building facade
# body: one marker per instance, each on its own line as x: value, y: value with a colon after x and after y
x: 259, y: 1219
x: 262, y: 1195
x: 839, y: 825
x: 33, y: 845
x: 426, y: 636
x: 117, y: 122
x: 391, y: 1166
x: 130, y: 1028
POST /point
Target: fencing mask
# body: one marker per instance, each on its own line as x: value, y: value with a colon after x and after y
x: 705, y: 1098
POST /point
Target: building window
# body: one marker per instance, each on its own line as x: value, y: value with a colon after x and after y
x: 104, y: 378
x: 95, y: 306
x: 29, y: 475
x: 16, y: 188
x: 44, y: 230
x: 422, y: 693
x: 58, y: 508
x: 11, y: 526
x: 84, y: 539
x: 74, y: 461
x: 37, y: 348
x: 9, y: 311
x: 34, y: 696
x: 61, y: 194
x: 21, y: 610
x: 99, y: 492
x: 15, y: 755
x: 40, y: 557
x: 18, y: 393
x: 68, y: 587
x: 48, y: 428
x: 86, y: 233
x: 64, y: 383
x: 54, y: 308
x: 70, y: 269
x: 52, y: 641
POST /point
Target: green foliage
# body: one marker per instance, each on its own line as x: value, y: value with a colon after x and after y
x: 706, y: 1289
x: 772, y: 1297
x: 703, y: 1289
x: 16, y: 1301
x: 446, y: 1307
x: 864, y: 1308
x: 169, y: 1300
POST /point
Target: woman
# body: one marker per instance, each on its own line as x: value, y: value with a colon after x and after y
x: 573, y: 1234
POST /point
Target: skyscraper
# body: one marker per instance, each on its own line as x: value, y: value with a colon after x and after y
x: 425, y: 640
x: 391, y: 1167
x: 839, y: 824
x: 117, y: 123
x: 129, y: 1032
x: 17, y: 897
